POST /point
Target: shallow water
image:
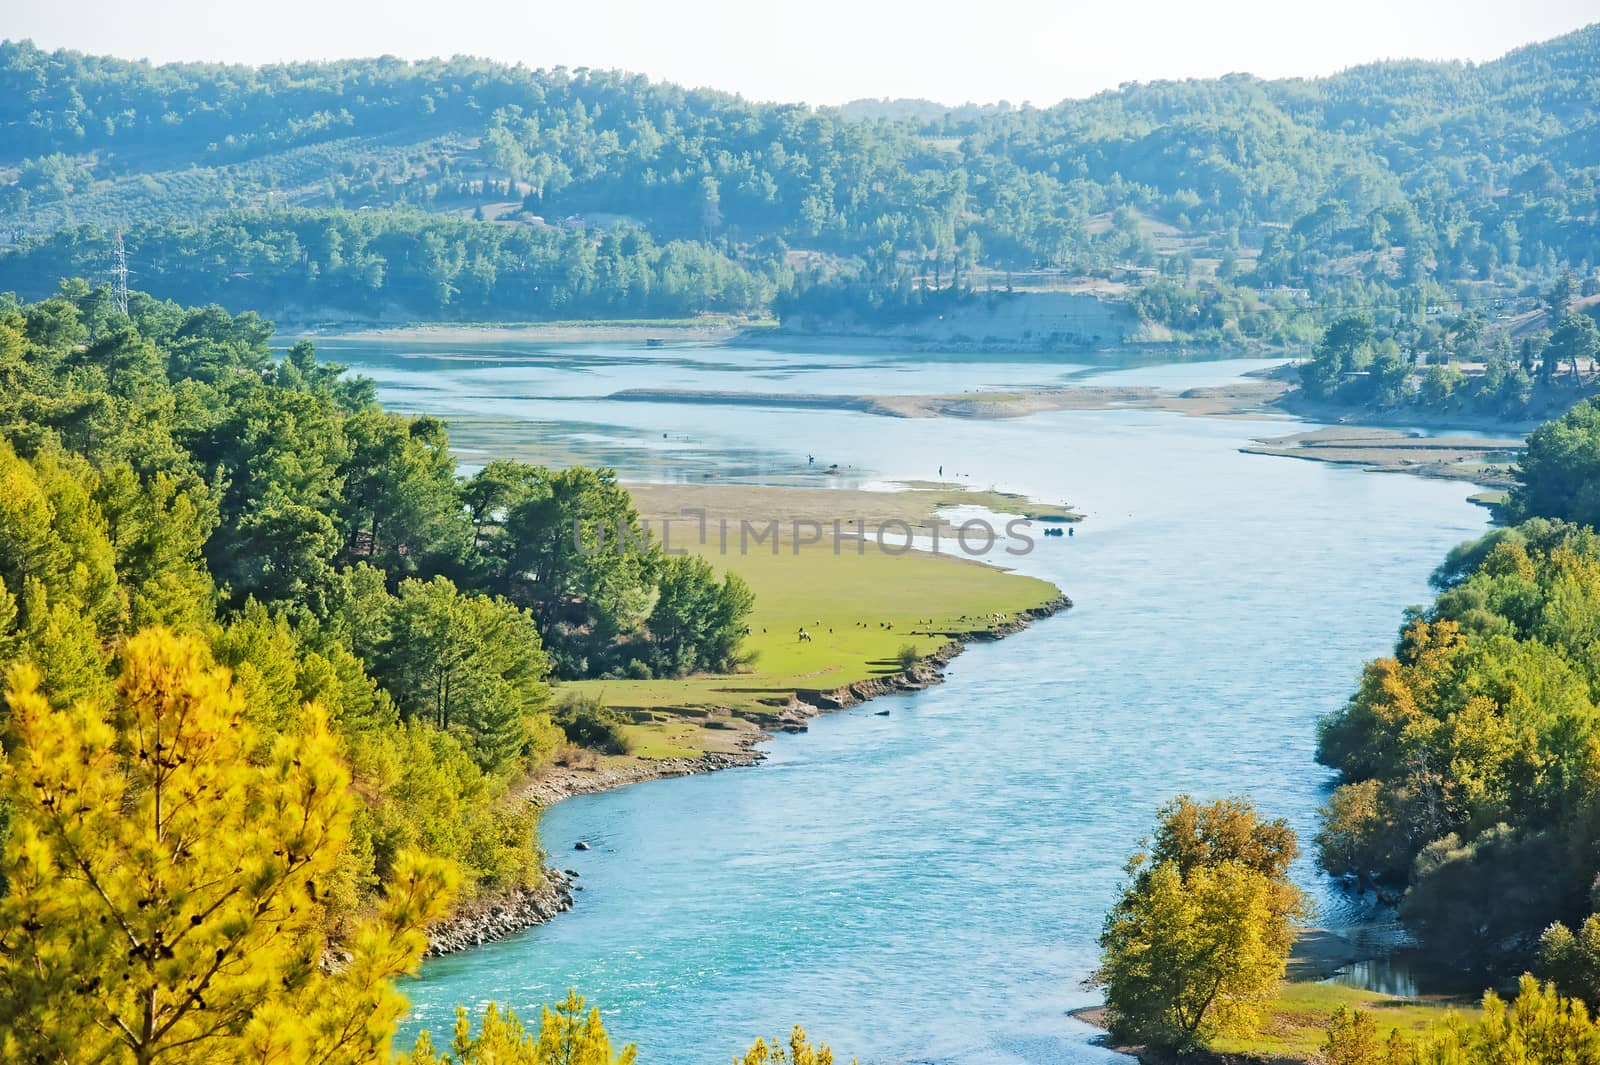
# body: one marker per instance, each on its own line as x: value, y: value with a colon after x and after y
x: 927, y: 886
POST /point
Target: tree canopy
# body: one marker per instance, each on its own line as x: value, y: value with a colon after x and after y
x: 167, y: 872
x: 166, y: 468
x: 1200, y: 935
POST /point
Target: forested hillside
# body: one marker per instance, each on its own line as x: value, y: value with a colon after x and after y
x: 1233, y: 208
x: 163, y: 469
x: 1472, y: 755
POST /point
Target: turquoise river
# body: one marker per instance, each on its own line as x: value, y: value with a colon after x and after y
x: 928, y: 886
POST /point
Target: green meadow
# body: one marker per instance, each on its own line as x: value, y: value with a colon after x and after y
x: 1297, y: 1020
x: 860, y: 606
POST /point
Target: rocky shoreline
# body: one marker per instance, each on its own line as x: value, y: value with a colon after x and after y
x: 498, y: 916
x: 495, y: 917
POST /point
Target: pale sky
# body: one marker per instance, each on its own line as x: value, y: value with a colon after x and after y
x: 823, y: 51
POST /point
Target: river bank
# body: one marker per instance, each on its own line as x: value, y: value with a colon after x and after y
x: 978, y: 830
x: 782, y: 338
x: 494, y: 917
x: 1295, y: 1026
x: 706, y: 329
x: 1274, y: 390
x: 1478, y: 460
x: 1295, y: 1021
x: 1246, y: 396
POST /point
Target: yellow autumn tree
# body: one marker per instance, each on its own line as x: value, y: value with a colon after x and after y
x: 1352, y: 1039
x: 1539, y: 1027
x: 163, y: 871
x: 800, y: 1051
x: 1200, y: 936
x: 568, y: 1035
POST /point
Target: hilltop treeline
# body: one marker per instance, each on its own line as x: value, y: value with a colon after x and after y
x: 1391, y: 186
x: 164, y: 469
x: 370, y: 263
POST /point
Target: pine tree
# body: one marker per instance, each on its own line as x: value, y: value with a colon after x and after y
x: 800, y: 1051
x: 164, y: 884
x: 567, y: 1036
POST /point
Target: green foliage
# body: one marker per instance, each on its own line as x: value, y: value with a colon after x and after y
x: 588, y: 722
x: 572, y: 542
x: 1391, y: 187
x: 163, y: 467
x: 469, y: 663
x: 1539, y: 1028
x: 698, y: 620
x: 1471, y: 901
x: 166, y: 883
x: 1200, y: 935
x: 1572, y: 960
x: 431, y: 266
x: 570, y: 545
x: 1473, y: 754
x: 428, y: 793
x: 1345, y: 349
x: 1558, y: 475
x: 58, y: 567
x: 1352, y: 1039
x: 1576, y: 340
x: 567, y: 1036
x: 336, y: 721
x: 401, y: 503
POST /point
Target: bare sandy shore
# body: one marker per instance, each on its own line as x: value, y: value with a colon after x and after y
x: 711, y: 330
x: 1480, y: 460
x: 1245, y: 396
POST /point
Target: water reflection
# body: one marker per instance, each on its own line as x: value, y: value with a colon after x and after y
x: 1391, y: 975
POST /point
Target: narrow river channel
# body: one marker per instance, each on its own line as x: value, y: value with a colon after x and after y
x: 928, y: 886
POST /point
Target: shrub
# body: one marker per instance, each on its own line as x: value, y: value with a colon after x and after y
x: 588, y: 722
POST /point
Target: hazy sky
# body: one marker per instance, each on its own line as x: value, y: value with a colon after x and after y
x: 823, y: 51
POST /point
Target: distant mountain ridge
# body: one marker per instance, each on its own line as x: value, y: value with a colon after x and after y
x: 1396, y: 174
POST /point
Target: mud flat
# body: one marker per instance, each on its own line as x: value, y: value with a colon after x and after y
x: 1247, y: 395
x: 1479, y: 460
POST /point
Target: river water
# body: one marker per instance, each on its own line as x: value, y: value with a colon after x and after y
x: 928, y: 886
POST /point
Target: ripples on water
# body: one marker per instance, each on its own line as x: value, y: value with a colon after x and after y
x: 928, y: 886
